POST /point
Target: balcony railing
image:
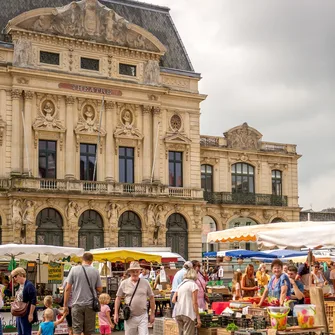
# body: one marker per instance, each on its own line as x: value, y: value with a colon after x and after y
x: 245, y: 199
x: 101, y: 188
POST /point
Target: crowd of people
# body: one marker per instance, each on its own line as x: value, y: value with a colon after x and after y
x: 83, y: 288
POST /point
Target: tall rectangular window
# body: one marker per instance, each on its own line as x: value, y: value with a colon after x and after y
x: 87, y: 161
x: 207, y: 177
x: 126, y: 165
x: 47, y: 162
x: 276, y: 182
x: 175, y: 168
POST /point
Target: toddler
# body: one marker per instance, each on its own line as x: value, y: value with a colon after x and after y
x: 48, y: 304
x: 105, y: 322
x: 47, y: 327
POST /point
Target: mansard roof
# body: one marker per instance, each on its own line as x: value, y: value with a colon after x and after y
x: 155, y: 19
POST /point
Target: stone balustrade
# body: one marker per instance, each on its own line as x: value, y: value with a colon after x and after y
x: 98, y: 187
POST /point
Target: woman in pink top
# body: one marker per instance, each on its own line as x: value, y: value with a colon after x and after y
x: 201, y: 283
x: 105, y: 322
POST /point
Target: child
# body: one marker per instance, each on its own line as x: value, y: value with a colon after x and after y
x: 47, y: 327
x: 48, y: 304
x: 105, y: 322
x: 237, y: 293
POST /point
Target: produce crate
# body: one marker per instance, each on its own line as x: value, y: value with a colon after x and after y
x: 170, y: 327
x: 223, y: 290
x: 223, y: 331
x: 330, y: 314
x: 208, y: 331
x: 159, y: 326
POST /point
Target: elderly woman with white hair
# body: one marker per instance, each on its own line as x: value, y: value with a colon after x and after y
x: 262, y: 278
x: 186, y: 309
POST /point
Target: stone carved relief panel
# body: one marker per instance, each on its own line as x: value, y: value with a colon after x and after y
x: 3, y: 126
x: 126, y: 130
x: 90, y: 20
x: 88, y: 127
x: 243, y: 137
x: 47, y: 123
x: 23, y: 54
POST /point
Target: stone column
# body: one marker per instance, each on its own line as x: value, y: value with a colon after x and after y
x: 3, y: 128
x: 156, y: 151
x: 27, y: 140
x: 147, y: 144
x: 110, y: 110
x: 70, y: 152
x: 16, y: 132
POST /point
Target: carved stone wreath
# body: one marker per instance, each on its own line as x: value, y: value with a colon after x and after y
x: 175, y: 122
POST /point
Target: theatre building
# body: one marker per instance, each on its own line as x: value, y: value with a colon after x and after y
x: 100, y: 139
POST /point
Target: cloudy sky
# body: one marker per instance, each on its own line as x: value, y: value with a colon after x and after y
x: 270, y: 63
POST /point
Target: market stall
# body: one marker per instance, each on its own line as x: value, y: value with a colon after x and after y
x: 42, y: 264
x: 285, y: 235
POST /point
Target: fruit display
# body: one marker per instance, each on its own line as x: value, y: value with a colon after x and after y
x: 278, y: 317
x: 305, y: 315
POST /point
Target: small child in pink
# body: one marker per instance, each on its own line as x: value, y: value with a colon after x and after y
x: 105, y: 322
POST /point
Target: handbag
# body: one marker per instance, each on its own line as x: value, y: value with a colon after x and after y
x: 96, y: 304
x: 19, y: 308
x: 126, y: 308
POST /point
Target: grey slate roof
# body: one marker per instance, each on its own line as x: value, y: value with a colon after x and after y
x: 155, y: 19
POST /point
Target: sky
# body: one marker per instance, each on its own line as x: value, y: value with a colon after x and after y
x: 270, y: 63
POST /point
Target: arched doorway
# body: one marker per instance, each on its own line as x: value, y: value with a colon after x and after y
x: 208, y: 225
x: 241, y: 222
x: 177, y: 234
x: 91, y: 230
x: 130, y: 233
x: 49, y: 227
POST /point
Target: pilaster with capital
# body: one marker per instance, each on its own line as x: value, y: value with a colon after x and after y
x: 3, y: 127
x: 70, y: 145
x: 110, y: 110
x: 16, y: 131
x: 147, y: 144
x: 28, y: 159
x: 156, y: 149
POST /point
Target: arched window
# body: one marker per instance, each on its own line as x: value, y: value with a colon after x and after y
x: 130, y: 233
x: 91, y: 230
x: 207, y: 177
x: 177, y: 234
x: 49, y: 227
x: 276, y: 182
x: 208, y: 225
x: 242, y: 222
x: 242, y: 178
x: 275, y: 220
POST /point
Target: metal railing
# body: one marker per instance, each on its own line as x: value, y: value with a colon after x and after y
x: 245, y: 199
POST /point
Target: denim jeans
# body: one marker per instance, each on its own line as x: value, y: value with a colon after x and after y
x: 23, y: 325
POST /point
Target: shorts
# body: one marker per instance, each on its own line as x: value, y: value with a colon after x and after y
x: 105, y: 329
x: 83, y: 319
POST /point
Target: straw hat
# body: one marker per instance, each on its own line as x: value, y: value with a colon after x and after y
x: 134, y: 266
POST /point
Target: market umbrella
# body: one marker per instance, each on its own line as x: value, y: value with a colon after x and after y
x: 249, y: 233
x: 242, y: 253
x: 124, y: 256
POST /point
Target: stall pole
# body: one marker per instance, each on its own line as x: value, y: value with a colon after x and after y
x: 39, y: 274
x: 106, y: 277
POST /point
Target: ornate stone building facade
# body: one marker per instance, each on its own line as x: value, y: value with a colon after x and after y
x: 99, y: 135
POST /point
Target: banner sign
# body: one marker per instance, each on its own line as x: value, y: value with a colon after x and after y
x: 55, y: 273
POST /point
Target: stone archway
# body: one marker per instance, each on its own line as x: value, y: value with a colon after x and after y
x: 208, y: 226
x: 91, y: 230
x: 275, y: 220
x: 49, y: 230
x: 130, y: 233
x: 177, y: 234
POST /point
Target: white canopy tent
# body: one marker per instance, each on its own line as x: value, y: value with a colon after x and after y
x: 250, y: 233
x: 32, y: 252
x: 310, y: 237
